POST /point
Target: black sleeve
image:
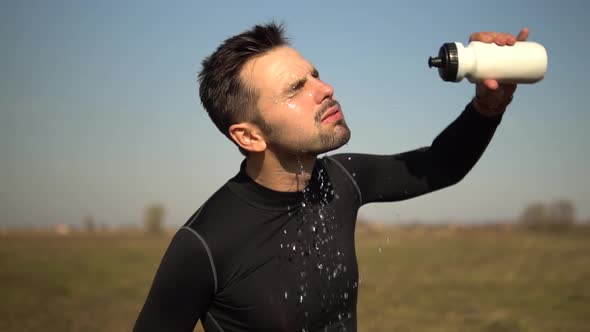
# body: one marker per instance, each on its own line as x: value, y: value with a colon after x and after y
x: 182, y: 287
x: 401, y: 176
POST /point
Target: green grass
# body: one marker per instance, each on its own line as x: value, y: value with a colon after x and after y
x: 411, y: 280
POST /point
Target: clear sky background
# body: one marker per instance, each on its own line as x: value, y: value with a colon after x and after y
x: 100, y: 115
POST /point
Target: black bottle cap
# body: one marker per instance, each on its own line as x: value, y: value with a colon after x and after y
x: 447, y: 62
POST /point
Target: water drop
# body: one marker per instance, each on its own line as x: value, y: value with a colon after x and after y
x: 380, y: 250
x: 320, y: 266
x: 353, y: 174
x: 388, y: 240
x: 286, y: 295
x: 300, y: 298
x: 285, y: 231
x: 294, y: 248
x: 303, y: 204
x: 345, y: 295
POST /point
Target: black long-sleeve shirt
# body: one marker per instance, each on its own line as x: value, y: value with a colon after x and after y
x: 254, y: 259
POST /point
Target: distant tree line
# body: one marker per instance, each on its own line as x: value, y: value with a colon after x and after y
x: 154, y: 219
x: 559, y: 214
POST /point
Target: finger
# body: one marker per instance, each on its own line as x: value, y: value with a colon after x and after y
x: 500, y: 40
x: 504, y: 39
x: 491, y: 84
x: 510, y: 40
x: 523, y: 34
x: 485, y: 37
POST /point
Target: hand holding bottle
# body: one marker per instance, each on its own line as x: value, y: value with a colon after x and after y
x: 492, y: 97
x: 496, y: 62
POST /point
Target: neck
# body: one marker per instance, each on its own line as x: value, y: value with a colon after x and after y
x: 285, y: 173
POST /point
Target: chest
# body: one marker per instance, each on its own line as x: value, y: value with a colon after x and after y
x: 295, y: 271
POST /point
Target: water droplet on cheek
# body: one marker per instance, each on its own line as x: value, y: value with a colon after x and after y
x: 291, y: 103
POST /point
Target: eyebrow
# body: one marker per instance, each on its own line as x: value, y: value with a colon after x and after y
x: 299, y: 83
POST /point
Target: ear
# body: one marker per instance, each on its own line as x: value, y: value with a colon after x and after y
x: 248, y: 136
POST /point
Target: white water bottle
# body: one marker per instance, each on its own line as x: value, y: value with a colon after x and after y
x: 523, y: 62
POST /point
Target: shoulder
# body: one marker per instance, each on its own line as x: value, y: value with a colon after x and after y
x: 341, y: 175
x: 219, y: 209
x: 218, y: 222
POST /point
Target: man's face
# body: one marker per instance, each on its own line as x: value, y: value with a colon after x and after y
x: 297, y: 106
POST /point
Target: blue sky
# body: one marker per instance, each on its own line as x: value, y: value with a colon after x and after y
x: 100, y: 116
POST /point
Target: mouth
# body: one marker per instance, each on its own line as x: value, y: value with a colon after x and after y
x: 332, y: 114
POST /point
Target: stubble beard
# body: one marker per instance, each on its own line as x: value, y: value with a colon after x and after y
x: 337, y: 137
x: 334, y: 137
x: 326, y: 139
x: 329, y: 137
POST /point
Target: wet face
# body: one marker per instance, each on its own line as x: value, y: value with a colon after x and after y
x: 295, y: 104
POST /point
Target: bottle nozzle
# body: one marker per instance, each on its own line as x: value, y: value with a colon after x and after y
x: 447, y: 62
x: 434, y: 62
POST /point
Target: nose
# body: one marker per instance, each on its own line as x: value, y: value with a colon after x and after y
x: 323, y: 91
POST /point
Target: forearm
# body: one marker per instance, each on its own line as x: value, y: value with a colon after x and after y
x: 456, y: 149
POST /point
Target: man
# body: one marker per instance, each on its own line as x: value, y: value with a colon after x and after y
x: 273, y: 249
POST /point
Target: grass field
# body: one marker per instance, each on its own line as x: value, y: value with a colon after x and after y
x: 412, y: 279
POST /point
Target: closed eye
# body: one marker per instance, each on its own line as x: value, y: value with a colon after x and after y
x: 299, y: 84
x: 315, y: 73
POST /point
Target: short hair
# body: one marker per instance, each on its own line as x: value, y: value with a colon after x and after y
x: 224, y: 95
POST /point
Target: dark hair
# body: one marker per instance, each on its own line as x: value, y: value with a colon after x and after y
x: 224, y: 95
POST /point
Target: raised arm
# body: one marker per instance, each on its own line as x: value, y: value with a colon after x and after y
x: 386, y: 178
x: 453, y: 152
